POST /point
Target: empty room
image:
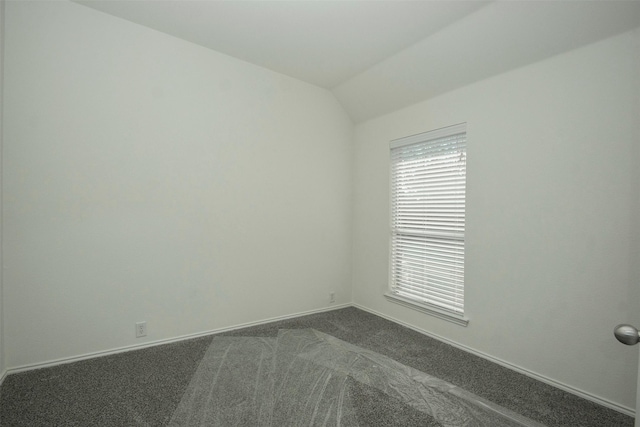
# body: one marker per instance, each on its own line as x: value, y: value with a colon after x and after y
x: 319, y: 212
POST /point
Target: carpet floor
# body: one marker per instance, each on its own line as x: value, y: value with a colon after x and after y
x: 346, y: 366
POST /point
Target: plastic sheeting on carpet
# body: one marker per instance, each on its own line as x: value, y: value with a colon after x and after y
x: 304, y: 377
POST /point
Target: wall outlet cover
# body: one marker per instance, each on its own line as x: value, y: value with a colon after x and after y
x: 141, y: 329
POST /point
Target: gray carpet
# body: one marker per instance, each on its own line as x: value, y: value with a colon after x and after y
x: 153, y: 386
x: 306, y: 377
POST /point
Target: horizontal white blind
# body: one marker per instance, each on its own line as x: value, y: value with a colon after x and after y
x: 428, y: 180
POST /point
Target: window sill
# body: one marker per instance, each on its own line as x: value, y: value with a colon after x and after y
x: 428, y: 309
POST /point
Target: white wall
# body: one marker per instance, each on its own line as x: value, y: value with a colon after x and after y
x: 147, y: 178
x: 552, y: 188
x: 2, y: 362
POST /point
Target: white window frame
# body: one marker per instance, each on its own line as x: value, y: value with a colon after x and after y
x: 424, y: 233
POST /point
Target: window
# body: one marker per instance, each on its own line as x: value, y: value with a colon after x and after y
x: 428, y: 181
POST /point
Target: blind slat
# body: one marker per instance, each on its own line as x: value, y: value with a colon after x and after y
x: 428, y: 185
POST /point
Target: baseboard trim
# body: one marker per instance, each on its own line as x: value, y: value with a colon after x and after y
x: 97, y: 354
x: 3, y: 375
x: 596, y: 399
x: 580, y: 393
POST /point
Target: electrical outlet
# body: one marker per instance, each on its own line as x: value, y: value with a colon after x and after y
x: 141, y: 329
x: 332, y: 297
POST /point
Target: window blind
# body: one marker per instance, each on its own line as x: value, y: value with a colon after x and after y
x: 428, y: 182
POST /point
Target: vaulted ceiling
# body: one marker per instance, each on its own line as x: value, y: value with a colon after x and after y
x: 379, y: 56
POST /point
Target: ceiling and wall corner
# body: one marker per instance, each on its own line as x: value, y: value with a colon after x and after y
x: 378, y: 57
x: 497, y: 38
x: 321, y: 42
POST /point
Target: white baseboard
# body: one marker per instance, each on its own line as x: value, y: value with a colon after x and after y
x: 604, y: 402
x: 581, y: 393
x: 3, y: 375
x: 96, y: 354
